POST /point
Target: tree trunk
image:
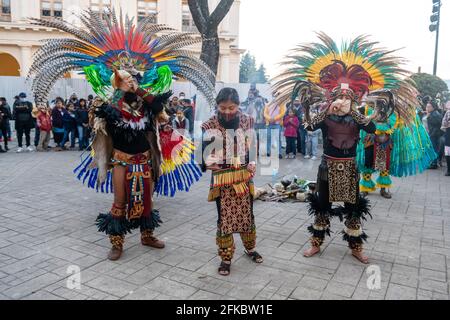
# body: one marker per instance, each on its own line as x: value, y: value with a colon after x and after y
x: 207, y: 24
x: 211, y: 50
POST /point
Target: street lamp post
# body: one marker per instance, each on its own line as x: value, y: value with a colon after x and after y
x: 434, y: 27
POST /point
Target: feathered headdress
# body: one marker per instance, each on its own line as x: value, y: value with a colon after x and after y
x: 104, y: 45
x: 322, y: 71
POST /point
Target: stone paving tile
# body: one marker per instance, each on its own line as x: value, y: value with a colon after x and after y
x: 114, y: 286
x: 46, y: 230
x: 305, y: 294
x: 399, y: 292
x: 31, y: 286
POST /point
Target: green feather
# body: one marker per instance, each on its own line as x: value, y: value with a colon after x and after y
x: 96, y: 80
x: 163, y: 82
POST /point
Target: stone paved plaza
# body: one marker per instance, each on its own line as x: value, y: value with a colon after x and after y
x: 47, y: 227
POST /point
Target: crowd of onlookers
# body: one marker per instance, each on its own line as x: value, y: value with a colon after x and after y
x: 436, y: 119
x: 64, y: 119
x: 67, y: 122
x: 284, y: 121
x: 181, y: 112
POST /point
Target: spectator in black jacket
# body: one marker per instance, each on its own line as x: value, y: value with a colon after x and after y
x: 5, y: 116
x: 90, y: 100
x: 434, y: 121
x: 22, y: 109
x: 58, y: 123
x: 73, y: 99
x: 82, y: 119
x: 7, y: 111
x: 189, y: 114
x: 70, y: 126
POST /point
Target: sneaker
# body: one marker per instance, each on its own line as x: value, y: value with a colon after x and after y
x: 19, y: 150
x: 30, y: 149
x: 314, y: 158
x: 307, y: 157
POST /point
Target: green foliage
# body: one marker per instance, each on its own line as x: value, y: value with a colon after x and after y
x: 247, y: 68
x: 248, y: 72
x: 261, y: 76
x: 429, y: 85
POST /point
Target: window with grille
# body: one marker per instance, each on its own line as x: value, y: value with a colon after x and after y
x: 187, y: 24
x: 101, y: 6
x: 5, y: 10
x: 51, y: 9
x: 147, y: 8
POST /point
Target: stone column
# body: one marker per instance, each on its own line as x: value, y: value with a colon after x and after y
x: 26, y: 58
x: 170, y: 13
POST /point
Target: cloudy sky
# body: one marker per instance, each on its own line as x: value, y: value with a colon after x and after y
x: 268, y: 28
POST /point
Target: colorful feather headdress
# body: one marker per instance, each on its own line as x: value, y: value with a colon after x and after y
x: 321, y: 71
x: 103, y: 45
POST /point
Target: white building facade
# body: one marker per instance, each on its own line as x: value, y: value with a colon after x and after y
x: 19, y: 40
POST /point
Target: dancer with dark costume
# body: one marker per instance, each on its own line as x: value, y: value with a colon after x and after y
x: 131, y: 70
x: 229, y: 151
x: 340, y: 78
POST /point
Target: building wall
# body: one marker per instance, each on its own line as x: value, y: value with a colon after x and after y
x: 20, y: 39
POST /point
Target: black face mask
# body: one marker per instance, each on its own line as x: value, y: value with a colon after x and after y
x: 229, y: 121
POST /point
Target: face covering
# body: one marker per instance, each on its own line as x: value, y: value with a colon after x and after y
x: 229, y: 120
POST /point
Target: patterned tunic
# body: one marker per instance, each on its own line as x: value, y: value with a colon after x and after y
x: 232, y: 186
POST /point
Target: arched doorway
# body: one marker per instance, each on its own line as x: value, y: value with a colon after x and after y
x: 9, y: 65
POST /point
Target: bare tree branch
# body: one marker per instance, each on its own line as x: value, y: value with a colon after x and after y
x: 207, y: 25
x: 220, y: 12
x: 199, y: 13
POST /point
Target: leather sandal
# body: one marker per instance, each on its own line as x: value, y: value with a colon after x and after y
x: 224, y: 268
x: 255, y: 256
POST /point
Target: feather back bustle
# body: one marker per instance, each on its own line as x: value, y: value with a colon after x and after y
x: 313, y: 70
x: 99, y: 45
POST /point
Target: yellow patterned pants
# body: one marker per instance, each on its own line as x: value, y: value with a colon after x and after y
x: 226, y: 245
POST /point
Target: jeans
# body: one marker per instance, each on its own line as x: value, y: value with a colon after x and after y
x: 7, y: 131
x: 276, y: 128
x: 83, y: 139
x: 301, y: 140
x: 311, y: 145
x: 435, y: 141
x: 67, y: 131
x: 291, y: 145
x: 4, y: 133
